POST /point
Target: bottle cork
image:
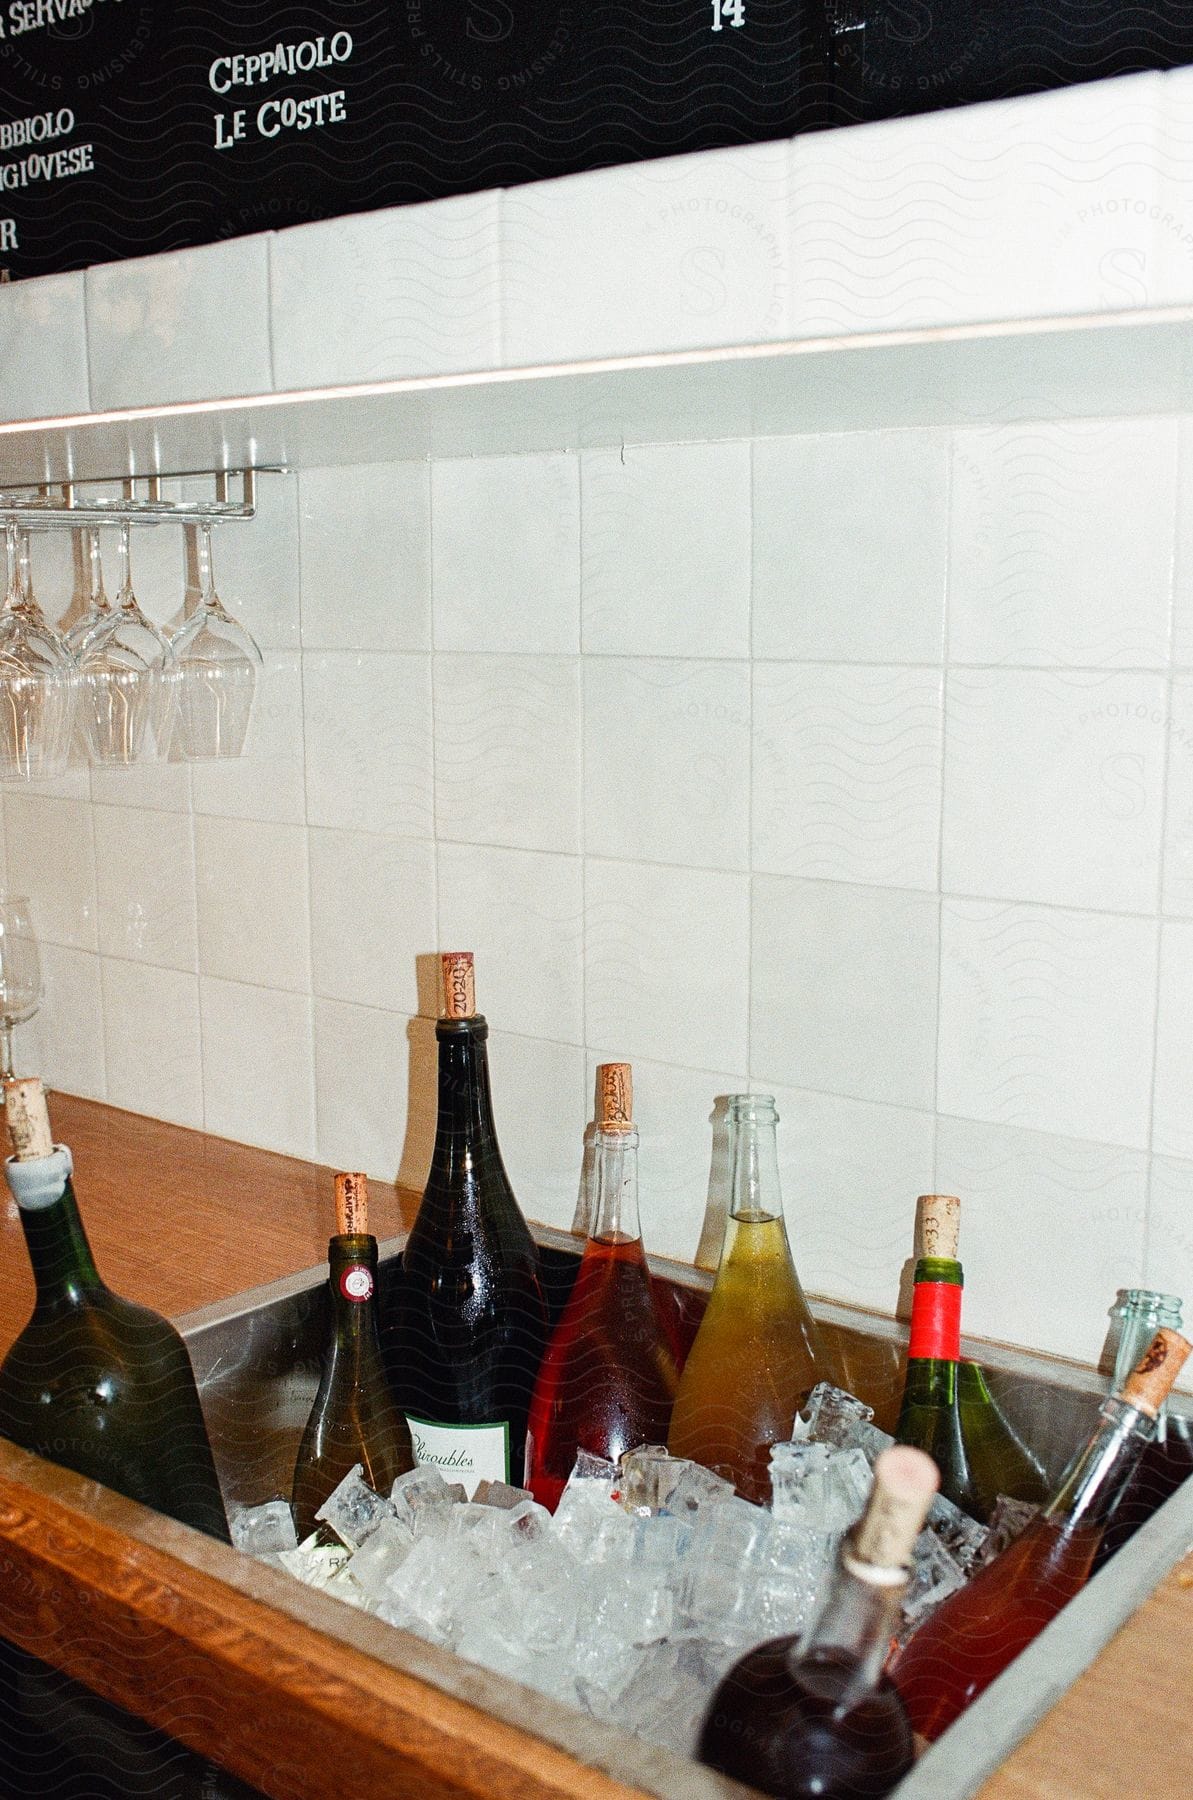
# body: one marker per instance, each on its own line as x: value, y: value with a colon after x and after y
x: 28, y: 1119
x: 459, y: 985
x: 940, y: 1225
x: 1148, y: 1383
x: 905, y: 1482
x: 615, y: 1097
x: 352, y: 1205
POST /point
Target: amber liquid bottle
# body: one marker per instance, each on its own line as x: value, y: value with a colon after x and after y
x: 94, y: 1382
x: 1167, y: 1462
x: 948, y: 1410
x: 466, y: 1323
x: 757, y: 1354
x: 982, y: 1627
x: 354, y: 1418
x: 817, y: 1716
x: 608, y: 1379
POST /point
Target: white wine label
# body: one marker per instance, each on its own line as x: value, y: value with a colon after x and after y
x: 356, y: 1283
x: 466, y: 1453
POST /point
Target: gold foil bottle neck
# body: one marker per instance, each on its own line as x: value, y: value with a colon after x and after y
x: 1147, y: 1385
x: 940, y: 1225
x: 352, y: 1205
x: 615, y: 1097
x: 905, y: 1484
x: 459, y: 985
x: 28, y: 1118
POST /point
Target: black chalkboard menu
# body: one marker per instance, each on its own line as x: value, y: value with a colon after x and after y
x: 131, y: 126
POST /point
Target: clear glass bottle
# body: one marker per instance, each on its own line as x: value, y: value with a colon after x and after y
x: 817, y: 1717
x: 465, y: 1323
x: 93, y: 1381
x: 1168, y: 1459
x: 757, y: 1354
x: 978, y: 1630
x: 607, y: 1383
x: 354, y: 1418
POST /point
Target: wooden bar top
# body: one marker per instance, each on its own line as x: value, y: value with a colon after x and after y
x: 179, y: 1220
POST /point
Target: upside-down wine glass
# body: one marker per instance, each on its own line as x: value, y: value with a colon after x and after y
x: 128, y: 673
x: 39, y: 679
x: 20, y: 973
x: 218, y: 665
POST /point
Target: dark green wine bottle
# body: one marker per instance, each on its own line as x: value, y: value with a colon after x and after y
x: 947, y: 1408
x: 355, y: 1418
x: 94, y: 1382
x: 466, y: 1325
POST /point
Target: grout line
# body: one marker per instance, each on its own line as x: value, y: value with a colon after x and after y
x: 946, y: 641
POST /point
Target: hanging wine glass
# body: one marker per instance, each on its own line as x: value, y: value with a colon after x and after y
x: 218, y: 664
x: 99, y: 607
x: 20, y: 974
x: 39, y: 679
x: 128, y: 673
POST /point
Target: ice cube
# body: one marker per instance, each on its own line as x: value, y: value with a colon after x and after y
x: 352, y: 1509
x: 315, y: 1563
x: 1009, y: 1518
x: 962, y: 1536
x: 697, y: 1489
x: 381, y: 1557
x: 842, y: 1420
x: 259, y: 1529
x: 424, y: 1500
x: 797, y: 1479
x: 586, y: 1501
x: 426, y: 1592
x: 647, y: 1477
x: 848, y: 1480
x: 499, y: 1493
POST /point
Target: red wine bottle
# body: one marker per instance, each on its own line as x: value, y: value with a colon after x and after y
x: 1167, y: 1462
x: 817, y: 1716
x: 466, y: 1322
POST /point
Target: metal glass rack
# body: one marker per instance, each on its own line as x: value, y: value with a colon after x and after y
x: 139, y: 502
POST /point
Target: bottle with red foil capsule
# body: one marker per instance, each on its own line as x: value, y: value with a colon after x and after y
x: 608, y: 1378
x: 816, y: 1716
x: 948, y: 1410
x: 354, y: 1418
x: 978, y: 1630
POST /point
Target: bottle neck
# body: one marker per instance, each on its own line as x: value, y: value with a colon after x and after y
x: 1097, y: 1474
x: 465, y: 1104
x: 755, y: 1191
x: 936, y: 1312
x: 858, y: 1616
x: 1141, y: 1312
x: 63, y: 1266
x: 352, y: 1280
x: 616, y: 1219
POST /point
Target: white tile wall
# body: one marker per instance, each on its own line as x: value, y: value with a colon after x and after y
x: 924, y: 868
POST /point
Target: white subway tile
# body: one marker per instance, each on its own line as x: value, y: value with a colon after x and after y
x: 507, y: 751
x: 843, y: 990
x: 538, y: 1103
x: 258, y: 1066
x: 1046, y: 1019
x: 1172, y: 1124
x: 372, y: 914
x: 365, y: 536
x: 158, y: 326
x: 851, y: 1172
x: 1054, y: 786
x: 51, y: 860
x: 851, y: 546
x: 411, y: 290
x: 268, y: 779
x: 1041, y: 205
x: 682, y: 1157
x: 151, y: 1041
x: 688, y: 723
x: 43, y: 347
x: 1178, y: 824
x: 662, y: 255
x: 1182, y: 605
x: 368, y: 741
x: 148, y: 786
x: 522, y: 913
x: 507, y: 554
x: 1173, y: 285
x: 1061, y: 548
x: 665, y: 955
x: 253, y: 913
x: 1050, y: 1229
x: 666, y: 550
x: 365, y: 1075
x: 145, y: 880
x: 64, y: 1043
x: 847, y: 771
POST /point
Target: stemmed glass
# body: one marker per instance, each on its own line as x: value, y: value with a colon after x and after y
x: 20, y: 974
x: 128, y: 672
x: 39, y: 679
x: 218, y: 664
x: 99, y: 607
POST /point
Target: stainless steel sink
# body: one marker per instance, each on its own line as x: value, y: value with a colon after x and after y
x: 256, y: 1357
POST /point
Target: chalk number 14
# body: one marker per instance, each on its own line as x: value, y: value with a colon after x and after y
x: 728, y: 12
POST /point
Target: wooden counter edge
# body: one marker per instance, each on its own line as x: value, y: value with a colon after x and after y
x: 267, y: 1696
